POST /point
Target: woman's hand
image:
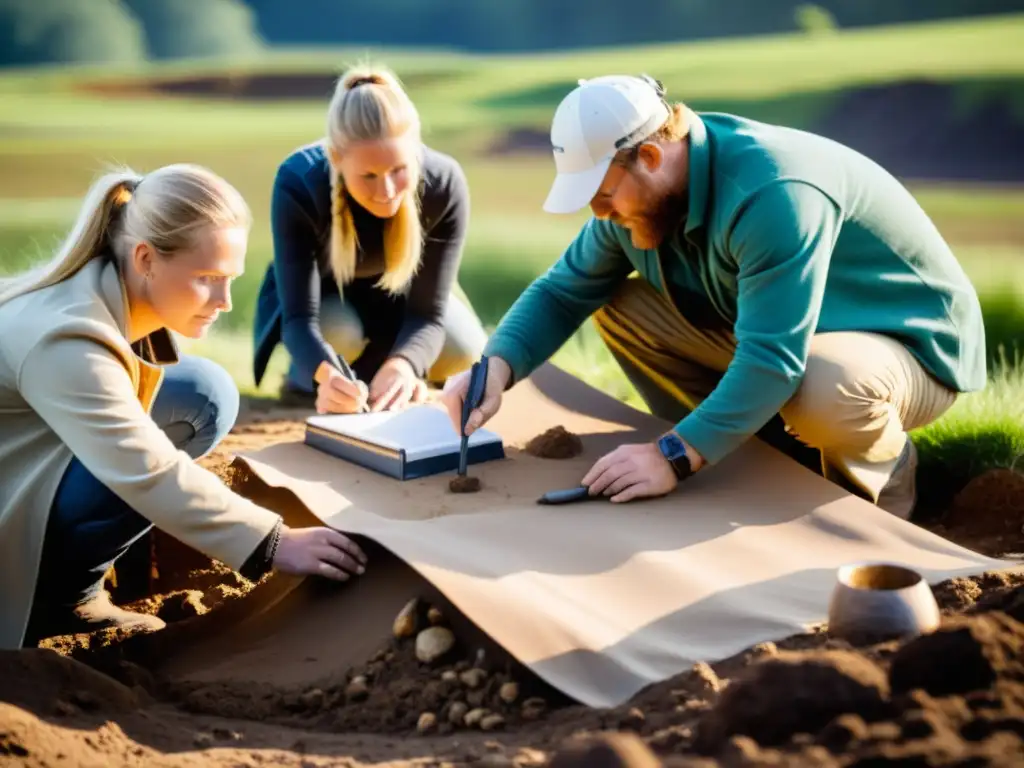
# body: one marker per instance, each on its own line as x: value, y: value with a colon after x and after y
x: 318, y: 552
x: 395, y: 386
x: 337, y: 394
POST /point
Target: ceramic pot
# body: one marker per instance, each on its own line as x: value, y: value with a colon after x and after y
x: 881, y: 600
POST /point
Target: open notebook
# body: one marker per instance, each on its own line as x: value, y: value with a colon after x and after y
x: 414, y: 442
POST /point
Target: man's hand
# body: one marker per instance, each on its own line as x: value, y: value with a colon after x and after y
x: 631, y: 472
x: 396, y: 385
x: 335, y: 393
x: 455, y: 389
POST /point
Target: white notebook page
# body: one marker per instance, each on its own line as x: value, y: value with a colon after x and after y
x: 423, y: 431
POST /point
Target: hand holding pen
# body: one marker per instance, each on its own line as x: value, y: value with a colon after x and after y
x: 338, y: 389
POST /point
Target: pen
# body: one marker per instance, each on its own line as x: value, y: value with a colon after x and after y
x: 474, y: 396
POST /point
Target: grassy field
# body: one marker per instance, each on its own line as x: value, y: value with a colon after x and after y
x: 57, y: 131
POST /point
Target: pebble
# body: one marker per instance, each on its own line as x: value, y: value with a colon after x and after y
x: 449, y: 675
x: 433, y: 643
x: 357, y: 689
x: 434, y: 616
x: 426, y: 722
x: 473, y: 678
x: 509, y: 692
x: 457, y: 712
x: 474, y: 716
x: 405, y: 621
x: 491, y: 722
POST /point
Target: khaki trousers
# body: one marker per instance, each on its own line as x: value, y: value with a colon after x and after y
x: 860, y: 395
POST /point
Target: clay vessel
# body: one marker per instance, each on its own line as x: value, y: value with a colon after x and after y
x: 881, y: 600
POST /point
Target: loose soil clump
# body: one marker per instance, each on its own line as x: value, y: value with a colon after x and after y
x: 555, y: 443
x: 990, y: 504
x: 464, y: 484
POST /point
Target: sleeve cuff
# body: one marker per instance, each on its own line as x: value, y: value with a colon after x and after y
x: 514, y: 356
x: 711, y: 443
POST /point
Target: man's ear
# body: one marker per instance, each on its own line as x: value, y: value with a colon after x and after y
x: 651, y: 155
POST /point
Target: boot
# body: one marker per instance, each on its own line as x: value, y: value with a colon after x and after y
x: 899, y: 496
x: 90, y: 616
x: 291, y: 396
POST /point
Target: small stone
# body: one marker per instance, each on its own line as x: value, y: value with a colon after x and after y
x: 474, y: 716
x: 457, y: 712
x: 405, y: 621
x: 426, y: 722
x: 313, y: 699
x: 434, y: 616
x: 477, y: 698
x: 433, y: 643
x: 225, y: 734
x: 492, y: 722
x: 449, y: 675
x: 473, y: 678
x: 357, y: 689
x: 508, y: 692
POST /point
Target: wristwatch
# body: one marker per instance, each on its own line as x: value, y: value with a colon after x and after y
x: 673, y: 449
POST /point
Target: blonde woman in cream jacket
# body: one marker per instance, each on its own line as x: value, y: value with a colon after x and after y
x: 102, y: 420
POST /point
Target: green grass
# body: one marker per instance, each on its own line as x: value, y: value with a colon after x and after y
x: 56, y: 136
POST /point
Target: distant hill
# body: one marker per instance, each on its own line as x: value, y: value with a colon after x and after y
x: 530, y: 25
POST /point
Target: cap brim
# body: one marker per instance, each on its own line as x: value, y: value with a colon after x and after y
x: 572, y: 191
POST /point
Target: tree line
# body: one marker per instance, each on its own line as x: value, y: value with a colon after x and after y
x: 50, y: 31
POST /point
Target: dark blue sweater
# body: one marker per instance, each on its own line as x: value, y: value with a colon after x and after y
x: 288, y: 306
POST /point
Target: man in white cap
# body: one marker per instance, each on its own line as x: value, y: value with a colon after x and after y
x: 779, y: 276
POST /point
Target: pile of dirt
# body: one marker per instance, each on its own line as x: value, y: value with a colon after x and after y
x: 987, y: 514
x: 555, y: 443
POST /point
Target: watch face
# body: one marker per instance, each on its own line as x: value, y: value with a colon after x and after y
x: 672, y: 446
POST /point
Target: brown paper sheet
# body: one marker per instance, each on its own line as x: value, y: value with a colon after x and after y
x: 598, y: 599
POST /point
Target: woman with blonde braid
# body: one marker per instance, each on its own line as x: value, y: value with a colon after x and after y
x: 102, y: 419
x: 368, y: 230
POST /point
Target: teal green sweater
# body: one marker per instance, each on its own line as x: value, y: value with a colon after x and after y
x: 787, y: 235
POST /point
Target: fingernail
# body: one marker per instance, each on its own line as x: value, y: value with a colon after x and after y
x: 360, y: 570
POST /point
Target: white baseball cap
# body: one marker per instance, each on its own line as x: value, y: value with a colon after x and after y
x: 598, y: 118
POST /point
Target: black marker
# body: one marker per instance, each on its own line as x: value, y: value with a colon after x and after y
x: 565, y: 496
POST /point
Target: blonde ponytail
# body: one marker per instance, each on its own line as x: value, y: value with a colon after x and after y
x: 370, y: 104
x: 88, y: 237
x: 167, y: 209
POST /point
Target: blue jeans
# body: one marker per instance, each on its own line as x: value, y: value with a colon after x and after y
x: 89, y: 526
